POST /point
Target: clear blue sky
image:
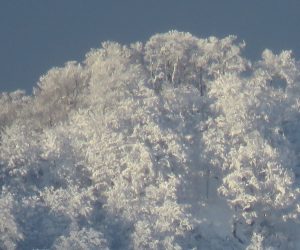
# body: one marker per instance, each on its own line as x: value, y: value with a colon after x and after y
x: 36, y: 35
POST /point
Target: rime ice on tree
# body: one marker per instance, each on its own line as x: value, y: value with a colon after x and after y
x: 178, y: 143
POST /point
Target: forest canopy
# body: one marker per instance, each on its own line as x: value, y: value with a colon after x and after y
x: 176, y: 143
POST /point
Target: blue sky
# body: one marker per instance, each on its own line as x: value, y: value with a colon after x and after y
x: 36, y: 35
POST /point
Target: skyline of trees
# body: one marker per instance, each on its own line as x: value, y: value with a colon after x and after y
x: 178, y: 143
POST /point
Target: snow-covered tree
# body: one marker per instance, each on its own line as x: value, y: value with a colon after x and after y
x: 10, y: 232
x: 178, y: 143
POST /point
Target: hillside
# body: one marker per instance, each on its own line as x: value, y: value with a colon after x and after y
x: 177, y: 143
